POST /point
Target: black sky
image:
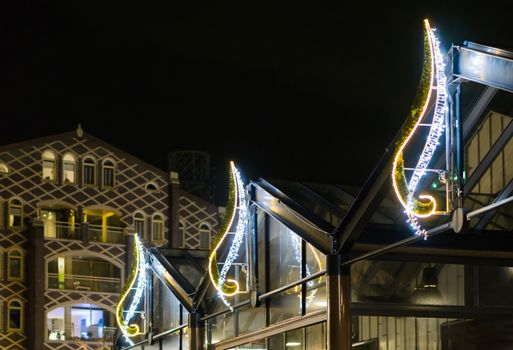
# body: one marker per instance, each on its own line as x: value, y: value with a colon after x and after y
x: 295, y: 90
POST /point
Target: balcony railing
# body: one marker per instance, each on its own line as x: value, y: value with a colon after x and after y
x: 85, y: 283
x: 62, y: 230
x: 92, y: 333
x: 112, y: 234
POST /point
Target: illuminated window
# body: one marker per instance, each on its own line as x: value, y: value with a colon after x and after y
x: 204, y: 236
x: 89, y: 171
x: 15, y: 315
x: 15, y: 213
x: 68, y: 168
x: 158, y: 228
x: 139, y: 225
x: 108, y: 173
x: 48, y: 165
x: 15, y: 265
x: 4, y: 169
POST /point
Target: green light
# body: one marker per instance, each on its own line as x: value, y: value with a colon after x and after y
x: 434, y: 185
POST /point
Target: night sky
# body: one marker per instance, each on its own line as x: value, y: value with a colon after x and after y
x: 297, y: 90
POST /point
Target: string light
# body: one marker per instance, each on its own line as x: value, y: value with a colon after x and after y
x: 240, y: 199
x: 437, y: 68
x: 124, y: 317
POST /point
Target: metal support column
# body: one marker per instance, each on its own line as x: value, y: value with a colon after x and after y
x: 338, y: 285
x: 196, y: 332
x: 460, y: 167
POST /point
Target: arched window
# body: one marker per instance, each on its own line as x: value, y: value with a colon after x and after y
x: 139, y: 224
x: 4, y: 169
x: 157, y: 228
x: 69, y: 165
x: 204, y: 235
x: 89, y: 171
x: 151, y: 187
x: 109, y: 173
x: 15, y: 213
x: 15, y: 315
x: 181, y: 230
x: 15, y: 265
x: 49, y: 161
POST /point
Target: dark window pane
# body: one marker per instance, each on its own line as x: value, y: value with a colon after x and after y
x: 108, y: 177
x: 15, y: 267
x: 89, y: 175
x: 15, y: 318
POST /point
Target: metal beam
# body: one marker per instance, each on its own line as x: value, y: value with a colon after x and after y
x: 365, y: 204
x: 487, y: 161
x: 302, y: 226
x: 484, y: 65
x: 485, y: 220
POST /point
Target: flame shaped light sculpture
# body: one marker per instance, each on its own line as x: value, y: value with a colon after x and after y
x: 137, y: 282
x: 237, y: 204
x: 433, y: 80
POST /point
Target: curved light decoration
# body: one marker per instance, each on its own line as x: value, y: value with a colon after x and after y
x: 137, y: 281
x: 237, y: 202
x: 434, y: 67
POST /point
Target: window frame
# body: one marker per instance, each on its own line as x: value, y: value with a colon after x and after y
x: 93, y: 165
x: 9, y: 210
x: 201, y: 231
x: 48, y: 159
x: 109, y: 167
x: 21, y: 308
x: 74, y: 163
x: 143, y: 219
x: 21, y: 258
x: 154, y: 221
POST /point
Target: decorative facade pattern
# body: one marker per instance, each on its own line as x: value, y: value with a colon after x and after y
x: 193, y: 213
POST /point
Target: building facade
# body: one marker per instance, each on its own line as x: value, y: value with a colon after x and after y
x: 69, y: 207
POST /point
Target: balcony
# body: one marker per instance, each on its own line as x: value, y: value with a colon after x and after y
x: 106, y: 234
x: 62, y: 230
x: 84, y: 283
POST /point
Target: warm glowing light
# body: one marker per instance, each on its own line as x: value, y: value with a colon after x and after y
x: 406, y: 190
x: 219, y: 278
x: 293, y: 343
x: 124, y: 317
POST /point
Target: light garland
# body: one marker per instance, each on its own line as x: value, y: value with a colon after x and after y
x: 237, y: 196
x: 405, y: 191
x: 124, y: 317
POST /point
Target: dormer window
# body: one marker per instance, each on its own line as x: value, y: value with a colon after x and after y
x: 108, y: 173
x: 89, y: 171
x: 151, y: 187
x: 49, y: 165
x: 68, y: 169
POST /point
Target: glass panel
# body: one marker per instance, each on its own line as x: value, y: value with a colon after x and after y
x: 48, y: 169
x: 158, y: 230
x: 316, y: 337
x: 285, y: 259
x: 89, y: 175
x: 68, y: 172
x: 315, y: 289
x: 15, y: 216
x: 108, y: 177
x: 251, y: 319
x: 15, y: 317
x: 14, y: 267
x: 139, y: 227
x: 408, y: 283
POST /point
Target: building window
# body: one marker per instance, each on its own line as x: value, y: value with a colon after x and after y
x: 15, y: 213
x: 204, y: 236
x: 15, y: 265
x: 108, y: 173
x: 139, y: 225
x: 158, y: 228
x: 151, y: 187
x: 69, y: 169
x: 48, y: 165
x: 15, y: 315
x: 89, y: 171
x: 4, y: 169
